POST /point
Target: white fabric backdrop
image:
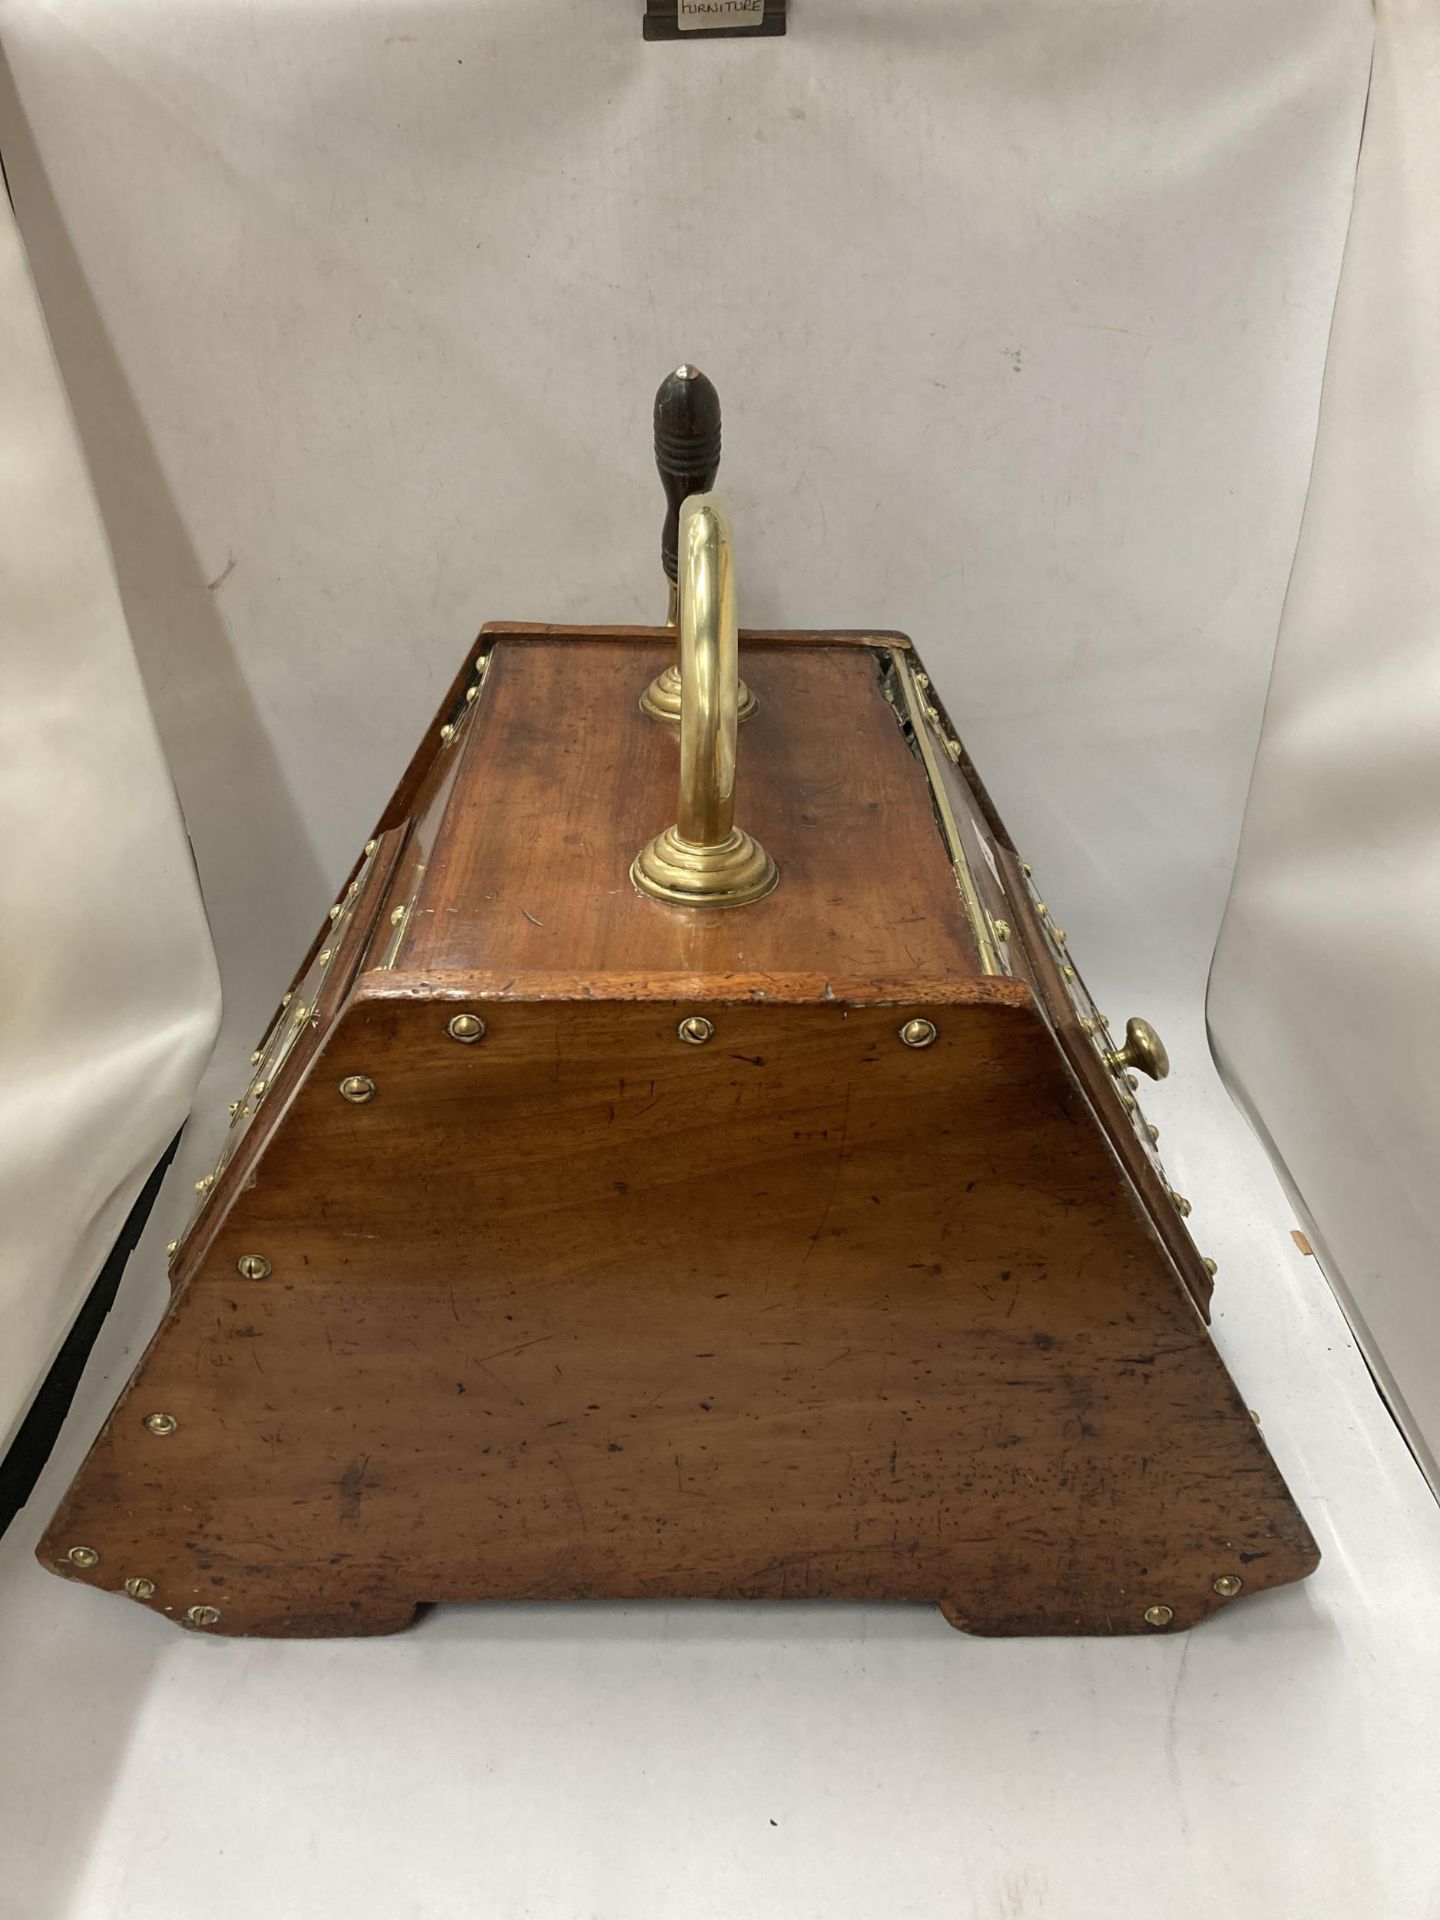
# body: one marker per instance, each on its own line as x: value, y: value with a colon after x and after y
x: 1020, y: 316
x: 111, y: 996
x: 1323, y: 1003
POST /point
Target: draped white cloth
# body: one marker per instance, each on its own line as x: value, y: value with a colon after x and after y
x: 111, y: 999
x: 1325, y: 1002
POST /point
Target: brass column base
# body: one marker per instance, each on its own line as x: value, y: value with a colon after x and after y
x: 661, y: 699
x: 683, y: 874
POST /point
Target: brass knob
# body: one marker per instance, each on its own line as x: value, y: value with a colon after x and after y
x: 1143, y: 1049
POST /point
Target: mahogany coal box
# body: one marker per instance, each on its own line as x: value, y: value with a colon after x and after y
x: 630, y: 1203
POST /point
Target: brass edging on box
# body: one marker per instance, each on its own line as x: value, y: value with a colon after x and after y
x: 918, y: 713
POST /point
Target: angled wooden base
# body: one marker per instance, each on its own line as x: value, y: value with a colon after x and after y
x: 564, y: 1246
x: 802, y: 1312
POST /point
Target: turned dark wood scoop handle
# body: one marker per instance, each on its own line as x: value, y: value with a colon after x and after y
x: 687, y: 449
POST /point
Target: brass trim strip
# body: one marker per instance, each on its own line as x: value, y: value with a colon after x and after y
x: 278, y: 1043
x: 917, y: 712
x: 399, y: 923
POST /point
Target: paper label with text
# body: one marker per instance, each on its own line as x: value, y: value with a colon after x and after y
x: 718, y: 14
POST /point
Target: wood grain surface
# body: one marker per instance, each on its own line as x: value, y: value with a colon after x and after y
x: 532, y: 870
x: 583, y: 1310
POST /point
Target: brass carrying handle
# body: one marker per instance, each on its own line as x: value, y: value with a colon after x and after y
x: 705, y: 860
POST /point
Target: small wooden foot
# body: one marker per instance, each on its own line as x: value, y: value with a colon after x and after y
x: 288, y: 1621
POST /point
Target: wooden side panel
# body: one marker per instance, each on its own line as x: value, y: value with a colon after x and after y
x: 582, y: 1310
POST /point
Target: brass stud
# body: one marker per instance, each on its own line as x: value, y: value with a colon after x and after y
x: 1159, y: 1616
x: 82, y: 1556
x: 919, y: 1033
x: 370, y: 846
x: 1002, y: 929
x: 447, y: 734
x: 357, y: 1088
x: 301, y: 1015
x: 253, y: 1266
x: 1210, y: 1267
x: 1152, y: 1132
x: 466, y: 1027
x: 470, y: 693
x: 202, y: 1616
x: 1059, y: 936
x: 234, y: 1108
x: 161, y: 1423
x: 326, y: 956
x: 1254, y: 1416
x: 1181, y: 1204
x: 1041, y: 910
x: 352, y: 889
x: 139, y: 1588
x: 1228, y: 1585
x: 1025, y: 870
x: 256, y: 1057
x: 1067, y: 973
x: 397, y: 914
x: 204, y: 1184
x: 257, y: 1091
x: 287, y: 998
x: 334, y: 915
x: 1088, y: 1026
x: 695, y: 1029
x: 172, y: 1247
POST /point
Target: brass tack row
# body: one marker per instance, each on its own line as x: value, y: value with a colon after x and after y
x: 695, y: 1030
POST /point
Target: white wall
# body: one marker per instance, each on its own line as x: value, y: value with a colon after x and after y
x: 111, y: 1000
x: 1018, y: 315
x: 1324, y: 999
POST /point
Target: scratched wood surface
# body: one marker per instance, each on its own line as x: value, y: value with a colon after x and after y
x: 584, y: 1311
x: 531, y: 866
